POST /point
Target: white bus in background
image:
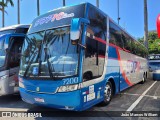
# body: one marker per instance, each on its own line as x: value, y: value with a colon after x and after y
x: 15, y: 29
x: 154, y: 66
x: 11, y: 40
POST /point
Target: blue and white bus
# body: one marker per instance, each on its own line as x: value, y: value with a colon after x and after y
x: 75, y: 57
x: 10, y: 50
x: 11, y: 40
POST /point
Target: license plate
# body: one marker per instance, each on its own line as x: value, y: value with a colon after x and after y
x: 39, y: 100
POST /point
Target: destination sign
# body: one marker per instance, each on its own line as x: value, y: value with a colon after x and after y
x: 57, y: 18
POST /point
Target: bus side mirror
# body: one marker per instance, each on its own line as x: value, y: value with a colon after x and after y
x: 76, y: 28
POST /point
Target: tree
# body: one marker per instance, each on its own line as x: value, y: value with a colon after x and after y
x: 153, y: 43
x: 4, y: 4
x: 1, y: 5
x: 152, y: 36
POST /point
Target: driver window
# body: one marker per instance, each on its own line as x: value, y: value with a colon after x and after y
x: 94, y: 59
x: 2, y: 52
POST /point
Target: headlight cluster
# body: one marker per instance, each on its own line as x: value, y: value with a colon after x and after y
x: 68, y: 88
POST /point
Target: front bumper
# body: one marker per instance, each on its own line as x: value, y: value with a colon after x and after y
x: 67, y: 101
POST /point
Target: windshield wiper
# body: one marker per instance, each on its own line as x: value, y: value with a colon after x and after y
x: 30, y: 64
x: 49, y: 66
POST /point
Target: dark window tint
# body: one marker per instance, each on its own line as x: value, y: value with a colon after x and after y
x: 22, y: 30
x: 138, y: 49
x: 115, y: 35
x: 15, y: 48
x: 92, y: 47
x: 97, y: 23
x: 126, y: 41
x: 123, y: 40
x: 2, y: 52
x: 94, y: 60
x: 134, y: 47
x: 90, y: 65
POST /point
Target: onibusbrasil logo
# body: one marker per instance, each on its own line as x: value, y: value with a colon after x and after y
x: 53, y: 17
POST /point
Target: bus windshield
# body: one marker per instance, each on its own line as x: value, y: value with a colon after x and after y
x: 49, y: 54
x: 2, y: 52
x: 156, y: 64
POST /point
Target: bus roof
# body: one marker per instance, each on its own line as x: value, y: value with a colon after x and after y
x: 15, y: 26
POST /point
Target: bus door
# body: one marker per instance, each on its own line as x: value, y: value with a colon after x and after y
x: 14, y: 51
x: 93, y: 67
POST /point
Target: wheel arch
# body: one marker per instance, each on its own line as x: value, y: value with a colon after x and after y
x: 111, y: 80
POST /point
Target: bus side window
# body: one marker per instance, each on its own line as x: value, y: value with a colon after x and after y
x: 134, y: 47
x: 115, y: 35
x: 93, y: 65
x: 127, y: 42
x: 15, y: 50
x: 90, y: 68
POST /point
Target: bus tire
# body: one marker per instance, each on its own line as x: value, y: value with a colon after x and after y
x: 144, y: 79
x: 108, y: 93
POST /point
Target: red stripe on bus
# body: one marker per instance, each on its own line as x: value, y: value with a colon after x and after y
x: 121, y: 69
x: 100, y: 40
x: 101, y: 56
x: 126, y: 50
x: 115, y: 46
x: 110, y: 44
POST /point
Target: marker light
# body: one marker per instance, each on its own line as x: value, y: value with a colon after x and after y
x: 21, y: 84
x: 68, y: 88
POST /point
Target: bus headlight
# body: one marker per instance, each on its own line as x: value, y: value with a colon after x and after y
x: 68, y: 88
x: 21, y: 85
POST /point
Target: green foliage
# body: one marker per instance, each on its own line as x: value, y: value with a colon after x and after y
x: 154, y: 46
x: 152, y: 36
x: 153, y: 42
x: 141, y: 40
x: 5, y: 3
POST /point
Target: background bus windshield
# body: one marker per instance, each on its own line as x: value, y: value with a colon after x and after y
x: 49, y: 54
x: 2, y: 52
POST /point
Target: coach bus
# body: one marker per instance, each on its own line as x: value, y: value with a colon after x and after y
x: 154, y: 66
x: 76, y: 57
x: 10, y: 50
x: 14, y: 29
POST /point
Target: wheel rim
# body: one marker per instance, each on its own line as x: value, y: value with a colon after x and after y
x: 107, y: 92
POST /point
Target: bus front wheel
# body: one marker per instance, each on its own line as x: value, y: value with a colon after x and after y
x: 108, y: 92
